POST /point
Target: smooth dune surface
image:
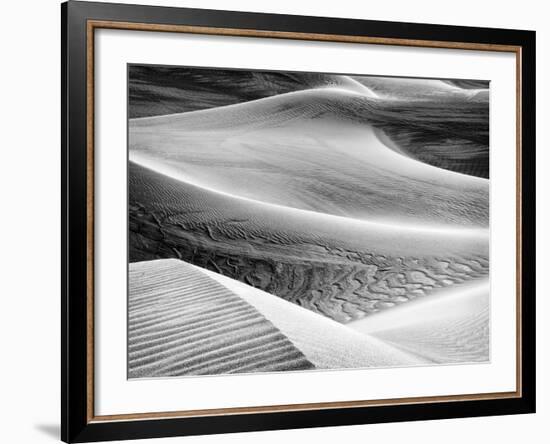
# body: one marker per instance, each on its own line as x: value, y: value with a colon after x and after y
x: 399, y: 88
x: 325, y: 343
x: 184, y: 320
x: 157, y: 90
x: 441, y: 122
x: 335, y: 266
x: 449, y: 326
x: 444, y: 123
x: 314, y: 150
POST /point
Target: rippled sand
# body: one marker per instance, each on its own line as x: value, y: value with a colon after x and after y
x: 314, y: 150
x: 329, y: 226
x: 449, y: 326
x: 187, y: 321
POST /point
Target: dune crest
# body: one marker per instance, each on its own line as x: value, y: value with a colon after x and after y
x: 156, y: 90
x: 399, y: 88
x: 450, y: 325
x: 324, y: 342
x: 184, y: 320
x: 313, y: 150
x: 300, y: 221
x: 339, y: 267
x: 181, y: 322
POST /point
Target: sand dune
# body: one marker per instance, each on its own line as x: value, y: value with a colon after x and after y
x: 314, y: 221
x: 313, y: 150
x: 187, y: 321
x: 183, y: 322
x: 189, y: 89
x: 469, y: 83
x: 157, y: 90
x: 325, y: 343
x: 340, y: 267
x: 399, y: 88
x: 439, y: 122
x: 449, y: 326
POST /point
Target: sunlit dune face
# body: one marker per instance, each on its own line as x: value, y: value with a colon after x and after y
x: 314, y: 150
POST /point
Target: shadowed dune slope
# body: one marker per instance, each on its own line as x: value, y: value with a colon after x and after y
x: 261, y: 224
x: 469, y: 84
x: 444, y: 123
x: 315, y: 150
x: 186, y: 321
x: 158, y: 90
x: 325, y: 343
x: 336, y: 266
x: 181, y: 322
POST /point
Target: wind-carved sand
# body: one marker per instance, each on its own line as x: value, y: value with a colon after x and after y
x: 315, y: 150
x: 311, y: 196
x: 444, y: 123
x: 180, y: 321
x: 406, y: 89
x: 450, y: 326
x: 202, y: 323
x: 155, y: 90
x: 342, y: 268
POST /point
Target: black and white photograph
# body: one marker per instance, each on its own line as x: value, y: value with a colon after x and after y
x: 285, y: 221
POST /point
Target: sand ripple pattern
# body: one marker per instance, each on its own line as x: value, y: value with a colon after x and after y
x: 342, y: 271
x: 449, y: 326
x: 339, y: 222
x: 450, y: 341
x: 316, y: 150
x: 187, y: 324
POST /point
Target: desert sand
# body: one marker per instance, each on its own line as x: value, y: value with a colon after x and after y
x: 405, y: 89
x: 315, y: 150
x: 205, y: 323
x: 156, y: 90
x: 340, y: 222
x: 180, y: 321
x: 449, y: 326
x: 340, y: 267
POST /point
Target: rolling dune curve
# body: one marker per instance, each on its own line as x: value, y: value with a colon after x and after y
x: 336, y: 266
x: 314, y: 150
x: 187, y: 321
x: 295, y: 221
x: 182, y: 322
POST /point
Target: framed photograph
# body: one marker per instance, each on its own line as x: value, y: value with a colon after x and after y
x: 277, y: 221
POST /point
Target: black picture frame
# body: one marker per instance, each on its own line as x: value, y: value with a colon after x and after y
x: 77, y: 423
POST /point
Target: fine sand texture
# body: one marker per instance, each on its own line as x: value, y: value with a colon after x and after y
x: 440, y: 122
x: 180, y: 321
x: 449, y: 326
x: 298, y: 195
x: 157, y: 90
x: 444, y: 123
x: 315, y: 150
x: 184, y: 320
x: 324, y: 342
x: 296, y: 221
x: 340, y: 267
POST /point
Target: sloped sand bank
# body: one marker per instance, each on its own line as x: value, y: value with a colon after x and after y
x: 449, y: 326
x: 314, y: 150
x: 339, y: 267
x: 187, y: 321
